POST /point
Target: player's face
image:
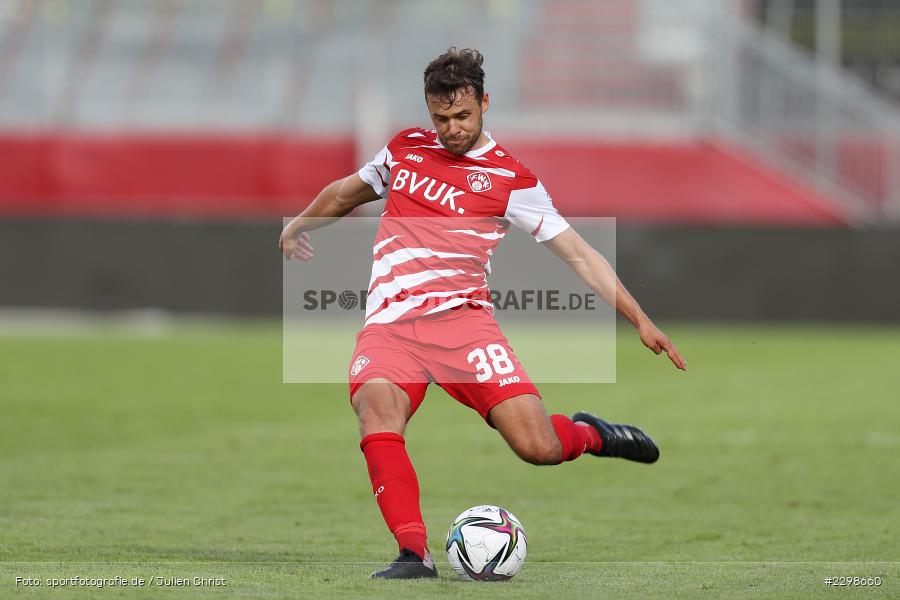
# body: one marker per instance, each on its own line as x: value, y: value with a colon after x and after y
x: 458, y: 125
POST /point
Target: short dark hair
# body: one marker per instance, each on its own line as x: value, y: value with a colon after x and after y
x: 454, y: 70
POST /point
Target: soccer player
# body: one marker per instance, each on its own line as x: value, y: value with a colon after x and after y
x: 428, y: 317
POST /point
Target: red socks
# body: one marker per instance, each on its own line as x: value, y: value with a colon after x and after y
x: 576, y: 438
x: 396, y: 488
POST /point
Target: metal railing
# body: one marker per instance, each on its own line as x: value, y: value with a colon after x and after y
x: 808, y: 117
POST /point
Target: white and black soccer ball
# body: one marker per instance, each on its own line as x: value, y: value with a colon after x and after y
x: 486, y: 543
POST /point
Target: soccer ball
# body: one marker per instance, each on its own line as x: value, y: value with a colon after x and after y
x: 486, y: 543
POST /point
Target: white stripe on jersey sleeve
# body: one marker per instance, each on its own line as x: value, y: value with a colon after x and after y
x: 377, y: 173
x: 532, y: 209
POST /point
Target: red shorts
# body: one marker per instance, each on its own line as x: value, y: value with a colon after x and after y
x: 463, y: 351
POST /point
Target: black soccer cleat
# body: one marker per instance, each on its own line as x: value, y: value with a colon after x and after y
x: 621, y: 441
x: 408, y: 566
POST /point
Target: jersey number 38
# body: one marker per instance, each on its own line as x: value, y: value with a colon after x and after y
x: 492, y: 359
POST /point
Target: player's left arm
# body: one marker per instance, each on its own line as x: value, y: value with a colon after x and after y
x: 598, y: 274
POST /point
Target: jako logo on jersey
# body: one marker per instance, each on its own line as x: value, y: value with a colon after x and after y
x: 508, y: 380
x: 358, y: 365
x: 479, y: 182
x: 414, y: 158
x: 417, y: 182
x: 378, y: 491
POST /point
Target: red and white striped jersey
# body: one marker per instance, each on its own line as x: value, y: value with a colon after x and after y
x: 445, y: 214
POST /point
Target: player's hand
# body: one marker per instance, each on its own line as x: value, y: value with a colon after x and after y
x: 296, y: 246
x: 656, y: 340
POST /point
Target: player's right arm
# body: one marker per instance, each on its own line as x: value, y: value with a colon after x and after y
x: 598, y: 274
x: 531, y: 209
x: 338, y: 199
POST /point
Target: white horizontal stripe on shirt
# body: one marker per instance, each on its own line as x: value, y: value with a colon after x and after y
x: 383, y: 265
x: 391, y: 288
x: 384, y: 243
x: 453, y: 302
x: 395, y: 310
x: 495, y: 235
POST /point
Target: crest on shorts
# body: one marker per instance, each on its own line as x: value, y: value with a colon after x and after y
x: 358, y: 365
x: 479, y: 182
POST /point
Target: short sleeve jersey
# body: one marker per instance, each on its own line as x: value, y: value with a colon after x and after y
x: 445, y: 214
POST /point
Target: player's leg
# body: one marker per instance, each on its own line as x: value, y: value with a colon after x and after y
x: 486, y: 375
x: 525, y: 426
x: 383, y: 410
x: 381, y: 406
x: 538, y: 438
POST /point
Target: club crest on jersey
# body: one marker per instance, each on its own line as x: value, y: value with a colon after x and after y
x: 358, y: 365
x: 479, y: 182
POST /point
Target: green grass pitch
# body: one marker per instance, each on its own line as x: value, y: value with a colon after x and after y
x: 183, y: 455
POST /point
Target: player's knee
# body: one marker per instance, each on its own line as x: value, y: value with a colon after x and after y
x: 540, y: 452
x: 378, y: 408
x: 376, y: 416
x: 375, y: 422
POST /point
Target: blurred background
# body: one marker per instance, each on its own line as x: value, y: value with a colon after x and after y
x: 148, y: 149
x: 749, y: 151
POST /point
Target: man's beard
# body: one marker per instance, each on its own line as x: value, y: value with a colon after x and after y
x: 471, y: 141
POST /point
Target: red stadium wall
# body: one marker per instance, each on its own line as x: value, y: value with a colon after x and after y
x: 166, y: 176
x: 264, y: 176
x: 698, y: 183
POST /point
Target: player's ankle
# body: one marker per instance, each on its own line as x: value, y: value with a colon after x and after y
x: 594, y: 441
x: 412, y: 537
